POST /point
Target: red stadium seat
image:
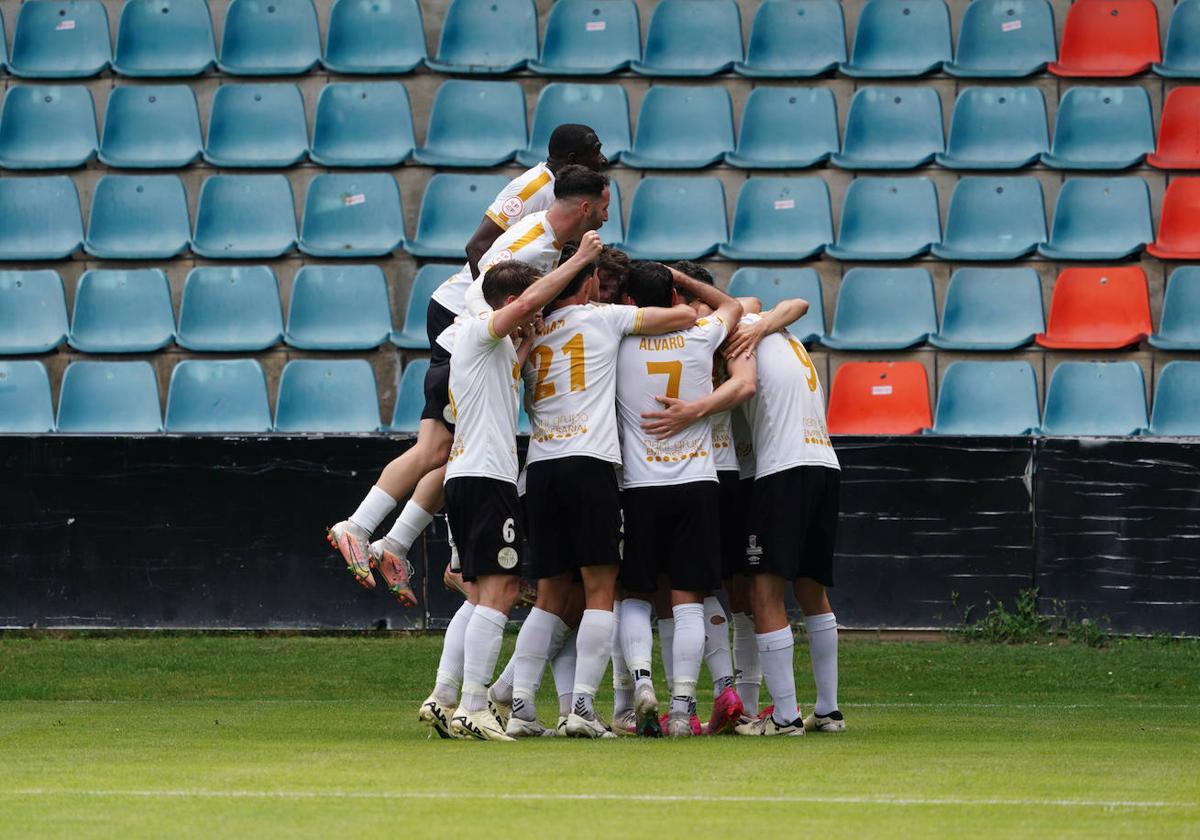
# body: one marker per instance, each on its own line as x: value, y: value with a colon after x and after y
x: 1108, y: 39
x: 879, y: 398
x: 1179, y: 229
x: 1179, y: 131
x: 1098, y: 309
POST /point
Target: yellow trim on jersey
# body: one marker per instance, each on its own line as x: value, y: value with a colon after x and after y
x: 501, y: 221
x: 534, y: 185
x: 637, y: 321
x: 491, y: 329
x: 531, y: 235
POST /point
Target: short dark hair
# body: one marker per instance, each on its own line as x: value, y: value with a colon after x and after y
x: 614, y: 262
x: 694, y: 270
x: 577, y: 181
x: 571, y: 139
x: 649, y: 283
x: 507, y: 278
x: 575, y: 283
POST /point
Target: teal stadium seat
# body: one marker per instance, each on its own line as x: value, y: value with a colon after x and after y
x: 150, y: 127
x: 413, y: 335
x: 1176, y: 395
x: 795, y: 39
x: 692, y: 38
x: 25, y: 406
x: 122, y: 311
x: 487, y: 36
x: 138, y: 217
x: 257, y: 126
x: 780, y: 219
x: 208, y: 396
x: 996, y: 128
x: 164, y: 38
x: 589, y: 38
x: 352, y: 215
x: 319, y: 292
x: 1102, y: 128
x: 991, y: 309
x: 604, y: 108
x: 883, y: 309
x: 887, y: 219
x: 374, y: 37
x: 451, y: 210
x: 460, y: 108
x: 1100, y: 219
x: 47, y: 127
x: 269, y: 38
x: 891, y: 128
x: 410, y: 398
x: 245, y: 217
x: 682, y: 128
x: 362, y: 124
x: 772, y: 285
x: 109, y: 398
x: 3, y: 44
x: 39, y: 218
x: 987, y: 398
x: 786, y: 128
x: 1179, y: 327
x: 899, y: 38
x: 226, y: 309
x: 993, y: 219
x: 676, y: 219
x: 612, y: 232
x: 1181, y: 50
x: 327, y: 396
x: 1095, y: 399
x: 33, y: 312
x: 60, y: 39
x: 1004, y: 39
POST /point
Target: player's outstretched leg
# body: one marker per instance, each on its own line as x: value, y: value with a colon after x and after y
x: 390, y: 554
x: 727, y: 706
x: 821, y: 625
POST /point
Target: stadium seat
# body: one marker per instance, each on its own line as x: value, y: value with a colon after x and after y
x: 1178, y: 131
x: 899, y: 38
x: 891, y: 128
x: 319, y: 293
x: 883, y: 309
x: 47, y: 127
x: 362, y: 124
x: 692, y: 38
x: 1181, y: 53
x: 39, y: 218
x: 161, y: 38
x: 879, y: 398
x: 151, y: 127
x: 119, y: 311
x: 786, y: 128
x: 229, y: 310
x: 780, y: 219
x: 987, y: 398
x: 682, y: 128
x: 795, y: 38
x: 226, y: 396
x: 413, y: 335
x: 410, y: 397
x: 1100, y: 219
x: 612, y: 232
x: 991, y: 309
x: 1176, y: 395
x: 887, y: 219
x: 245, y: 216
x: 33, y: 312
x: 993, y: 219
x: 109, y: 398
x: 352, y: 215
x: 1098, y: 309
x: 1179, y: 326
x: 996, y: 128
x: 327, y: 396
x: 60, y: 39
x: 487, y: 36
x: 269, y: 38
x: 1108, y: 39
x: 772, y: 285
x: 371, y: 38
x: 1095, y: 399
x: 451, y: 210
x: 3, y: 44
x: 676, y: 219
x: 1179, y: 225
x: 257, y: 126
x: 589, y: 38
x: 138, y: 217
x: 460, y: 108
x: 1004, y: 39
x: 25, y: 406
x: 605, y: 108
x: 1101, y: 128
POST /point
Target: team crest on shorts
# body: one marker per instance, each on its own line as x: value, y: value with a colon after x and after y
x: 448, y: 414
x: 507, y: 557
x: 513, y: 206
x: 753, y: 551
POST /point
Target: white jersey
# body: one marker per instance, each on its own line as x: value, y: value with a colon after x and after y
x: 743, y: 443
x: 677, y: 364
x: 571, y: 380
x: 722, y: 427
x: 484, y: 387
x: 787, y: 412
x: 531, y: 241
x: 530, y: 192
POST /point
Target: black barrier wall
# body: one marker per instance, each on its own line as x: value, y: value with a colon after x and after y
x: 217, y: 532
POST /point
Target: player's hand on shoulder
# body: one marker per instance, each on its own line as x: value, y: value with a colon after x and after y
x: 676, y: 416
x: 744, y: 339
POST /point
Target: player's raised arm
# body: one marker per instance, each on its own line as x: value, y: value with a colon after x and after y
x: 545, y: 289
x: 783, y: 315
x: 677, y: 415
x: 727, y: 308
x: 657, y: 320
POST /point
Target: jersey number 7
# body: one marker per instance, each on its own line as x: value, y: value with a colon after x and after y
x: 673, y: 371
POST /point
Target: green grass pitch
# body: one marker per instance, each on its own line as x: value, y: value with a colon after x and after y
x: 274, y: 736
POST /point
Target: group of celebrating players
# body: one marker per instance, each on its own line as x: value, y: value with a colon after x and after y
x: 678, y: 446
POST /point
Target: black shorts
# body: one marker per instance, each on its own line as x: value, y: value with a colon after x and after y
x: 437, y: 319
x: 574, y: 514
x: 437, y: 378
x: 485, y: 516
x: 672, y: 531
x: 733, y: 526
x: 793, y: 524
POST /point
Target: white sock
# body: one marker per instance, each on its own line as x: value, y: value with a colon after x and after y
x: 563, y: 667
x: 450, y: 669
x: 745, y: 657
x: 502, y: 688
x: 593, y: 646
x: 622, y: 681
x: 775, y: 654
x: 716, y: 645
x: 822, y: 646
x: 666, y: 640
x: 529, y: 660
x: 637, y: 642
x: 687, y: 654
x: 373, y: 509
x: 413, y: 519
x: 485, y: 632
